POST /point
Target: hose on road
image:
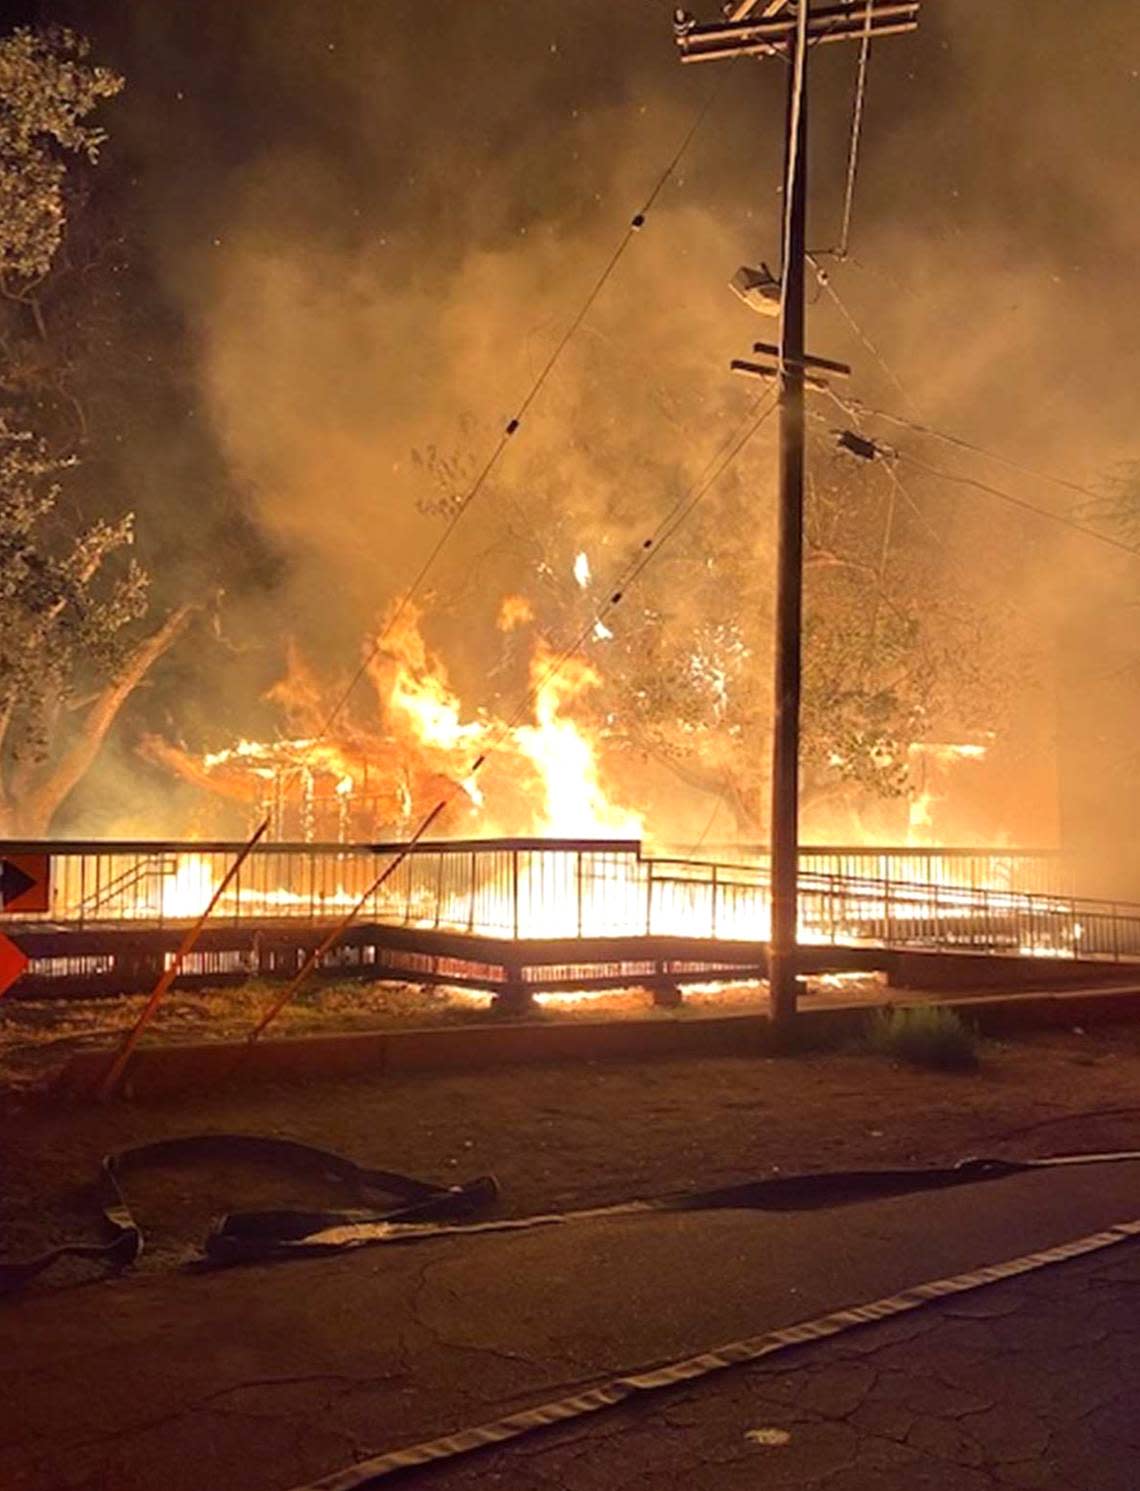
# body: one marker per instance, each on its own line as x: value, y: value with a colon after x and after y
x: 736, y: 1353
x: 424, y: 1211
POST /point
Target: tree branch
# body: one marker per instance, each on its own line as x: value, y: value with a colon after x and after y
x: 58, y: 779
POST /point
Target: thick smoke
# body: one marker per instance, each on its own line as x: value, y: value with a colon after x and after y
x: 372, y: 225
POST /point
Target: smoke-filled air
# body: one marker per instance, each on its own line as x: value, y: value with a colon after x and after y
x: 311, y: 282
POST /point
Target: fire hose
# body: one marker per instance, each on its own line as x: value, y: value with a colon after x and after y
x: 424, y: 1211
x: 427, y: 1211
x: 242, y: 1235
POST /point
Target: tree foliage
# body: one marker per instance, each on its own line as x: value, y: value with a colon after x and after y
x: 70, y: 595
x: 48, y: 87
x: 1118, y: 507
x: 63, y: 608
x: 69, y: 655
x: 903, y: 641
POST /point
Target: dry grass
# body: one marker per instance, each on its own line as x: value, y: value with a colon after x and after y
x: 36, y: 1034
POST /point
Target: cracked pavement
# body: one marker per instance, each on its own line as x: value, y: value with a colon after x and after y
x: 265, y: 1377
x: 1029, y: 1384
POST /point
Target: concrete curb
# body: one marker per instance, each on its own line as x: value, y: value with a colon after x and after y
x: 162, y: 1071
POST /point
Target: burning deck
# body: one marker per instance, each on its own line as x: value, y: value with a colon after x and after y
x: 528, y: 913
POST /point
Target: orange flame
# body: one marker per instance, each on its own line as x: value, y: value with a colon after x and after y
x: 564, y: 754
x: 515, y: 611
x: 421, y: 744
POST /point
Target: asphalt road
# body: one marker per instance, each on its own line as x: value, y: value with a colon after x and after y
x: 264, y: 1377
x: 1030, y: 1384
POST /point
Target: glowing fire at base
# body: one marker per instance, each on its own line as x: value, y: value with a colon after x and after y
x: 544, y: 776
x: 564, y: 891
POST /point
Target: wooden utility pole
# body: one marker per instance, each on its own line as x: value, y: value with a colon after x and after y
x: 783, y: 834
x: 780, y: 28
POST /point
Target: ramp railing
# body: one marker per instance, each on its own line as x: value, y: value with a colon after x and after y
x: 587, y: 888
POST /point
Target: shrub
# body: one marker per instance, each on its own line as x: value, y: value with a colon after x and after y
x: 926, y: 1035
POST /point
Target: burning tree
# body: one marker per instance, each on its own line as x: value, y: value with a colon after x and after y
x: 907, y: 638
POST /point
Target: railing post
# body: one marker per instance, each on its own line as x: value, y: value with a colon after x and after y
x: 578, y: 854
x: 515, y: 890
x: 714, y: 891
x: 471, y: 916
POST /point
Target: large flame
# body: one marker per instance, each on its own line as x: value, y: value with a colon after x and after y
x: 575, y: 804
x: 421, y: 744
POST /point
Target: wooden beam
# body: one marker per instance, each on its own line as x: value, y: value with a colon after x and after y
x: 779, y: 28
x: 770, y: 373
x: 807, y: 361
x: 780, y: 49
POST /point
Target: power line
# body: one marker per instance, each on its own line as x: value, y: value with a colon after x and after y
x: 637, y: 222
x: 1021, y: 502
x: 853, y: 405
x: 856, y: 130
x: 651, y: 547
x: 829, y: 289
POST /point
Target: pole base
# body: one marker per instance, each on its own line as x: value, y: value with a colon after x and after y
x: 784, y: 986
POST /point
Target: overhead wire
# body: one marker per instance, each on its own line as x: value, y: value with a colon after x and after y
x: 829, y: 289
x: 636, y: 223
x: 856, y: 131
x: 979, y: 450
x: 794, y: 132
x: 652, y: 546
x: 855, y: 408
x: 1042, y: 512
x: 852, y: 407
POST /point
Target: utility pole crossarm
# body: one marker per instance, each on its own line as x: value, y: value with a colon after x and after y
x: 769, y: 373
x: 773, y: 34
x: 827, y: 364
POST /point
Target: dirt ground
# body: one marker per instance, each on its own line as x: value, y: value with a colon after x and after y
x: 569, y: 1135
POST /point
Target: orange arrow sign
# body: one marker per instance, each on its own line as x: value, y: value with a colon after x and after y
x: 13, y: 961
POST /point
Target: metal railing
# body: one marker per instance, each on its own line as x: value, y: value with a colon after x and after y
x: 537, y: 888
x: 1032, y: 871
